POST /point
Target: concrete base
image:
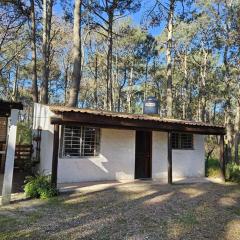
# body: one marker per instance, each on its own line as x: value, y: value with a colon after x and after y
x: 90, y: 187
x: 86, y: 187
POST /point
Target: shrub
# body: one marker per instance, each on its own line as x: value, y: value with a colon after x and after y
x: 213, y: 168
x: 233, y: 172
x: 39, y: 186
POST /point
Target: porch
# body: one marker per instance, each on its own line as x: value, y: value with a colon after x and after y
x: 151, y: 132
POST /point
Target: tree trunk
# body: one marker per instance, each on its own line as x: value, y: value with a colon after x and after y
x: 129, y: 96
x: 236, y: 145
x: 15, y: 84
x: 109, y: 61
x: 77, y: 55
x: 44, y: 87
x: 190, y: 100
x: 146, y: 80
x: 203, y: 87
x: 228, y: 114
x: 169, y: 58
x: 34, y: 54
x: 66, y: 83
x: 236, y: 129
x: 229, y: 129
x: 119, y: 99
x: 115, y: 83
x: 185, y: 88
x: 96, y: 82
x: 47, y: 18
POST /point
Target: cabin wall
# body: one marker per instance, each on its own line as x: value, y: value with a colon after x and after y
x: 41, y: 119
x: 117, y: 155
x: 115, y: 162
x: 185, y: 163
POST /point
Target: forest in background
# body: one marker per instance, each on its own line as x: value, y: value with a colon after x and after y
x: 94, y: 54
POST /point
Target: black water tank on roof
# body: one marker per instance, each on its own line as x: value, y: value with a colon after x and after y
x: 150, y: 106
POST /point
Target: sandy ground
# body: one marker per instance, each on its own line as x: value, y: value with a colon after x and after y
x: 137, y: 210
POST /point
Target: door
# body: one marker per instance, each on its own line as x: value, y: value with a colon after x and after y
x: 143, y: 154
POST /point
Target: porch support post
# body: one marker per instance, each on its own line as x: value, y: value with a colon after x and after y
x: 170, y: 157
x: 9, y: 164
x: 55, y: 156
x: 222, y: 159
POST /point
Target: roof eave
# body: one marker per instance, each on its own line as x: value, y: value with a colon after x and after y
x: 78, y: 118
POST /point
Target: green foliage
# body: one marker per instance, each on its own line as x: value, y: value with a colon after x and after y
x: 213, y: 168
x: 24, y: 133
x: 233, y: 172
x: 39, y: 186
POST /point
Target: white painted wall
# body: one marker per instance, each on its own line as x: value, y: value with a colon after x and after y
x: 117, y: 155
x: 115, y: 162
x: 186, y: 163
x: 159, y: 156
x: 41, y: 119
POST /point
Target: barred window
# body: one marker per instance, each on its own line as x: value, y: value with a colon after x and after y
x: 182, y: 141
x: 80, y: 141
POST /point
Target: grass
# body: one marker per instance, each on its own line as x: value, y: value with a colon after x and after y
x: 213, y: 168
x: 188, y: 218
x: 140, y: 210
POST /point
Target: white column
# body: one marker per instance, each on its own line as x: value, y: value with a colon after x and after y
x: 9, y: 164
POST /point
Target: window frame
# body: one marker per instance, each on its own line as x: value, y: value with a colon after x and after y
x: 97, y: 142
x: 179, y: 141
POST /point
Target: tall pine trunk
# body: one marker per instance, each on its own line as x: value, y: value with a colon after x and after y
x: 236, y: 129
x: 203, y: 73
x: 109, y: 61
x: 169, y: 58
x: 15, y: 84
x: 66, y: 70
x: 77, y: 56
x: 129, y: 92
x: 47, y: 18
x: 185, y: 88
x: 96, y: 82
x: 34, y: 54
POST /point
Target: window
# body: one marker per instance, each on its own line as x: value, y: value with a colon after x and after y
x: 182, y: 141
x: 80, y: 141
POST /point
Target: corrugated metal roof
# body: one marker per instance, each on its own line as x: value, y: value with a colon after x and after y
x: 59, y: 109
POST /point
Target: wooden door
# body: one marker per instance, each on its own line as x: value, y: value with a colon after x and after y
x: 143, y: 154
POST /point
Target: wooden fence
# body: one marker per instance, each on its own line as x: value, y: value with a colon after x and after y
x: 23, y: 154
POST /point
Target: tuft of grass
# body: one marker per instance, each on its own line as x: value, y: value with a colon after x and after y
x: 213, y: 168
x: 18, y: 234
x: 6, y: 221
x: 236, y: 211
x: 188, y: 219
x: 233, y: 172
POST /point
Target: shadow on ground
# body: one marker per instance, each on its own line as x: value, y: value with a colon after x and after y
x: 139, y: 210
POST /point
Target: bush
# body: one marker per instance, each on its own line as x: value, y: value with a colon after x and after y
x: 233, y: 172
x: 39, y: 186
x: 213, y: 168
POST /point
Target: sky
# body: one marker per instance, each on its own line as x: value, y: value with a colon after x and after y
x: 136, y: 17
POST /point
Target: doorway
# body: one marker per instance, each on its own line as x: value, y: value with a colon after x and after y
x: 143, y: 155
